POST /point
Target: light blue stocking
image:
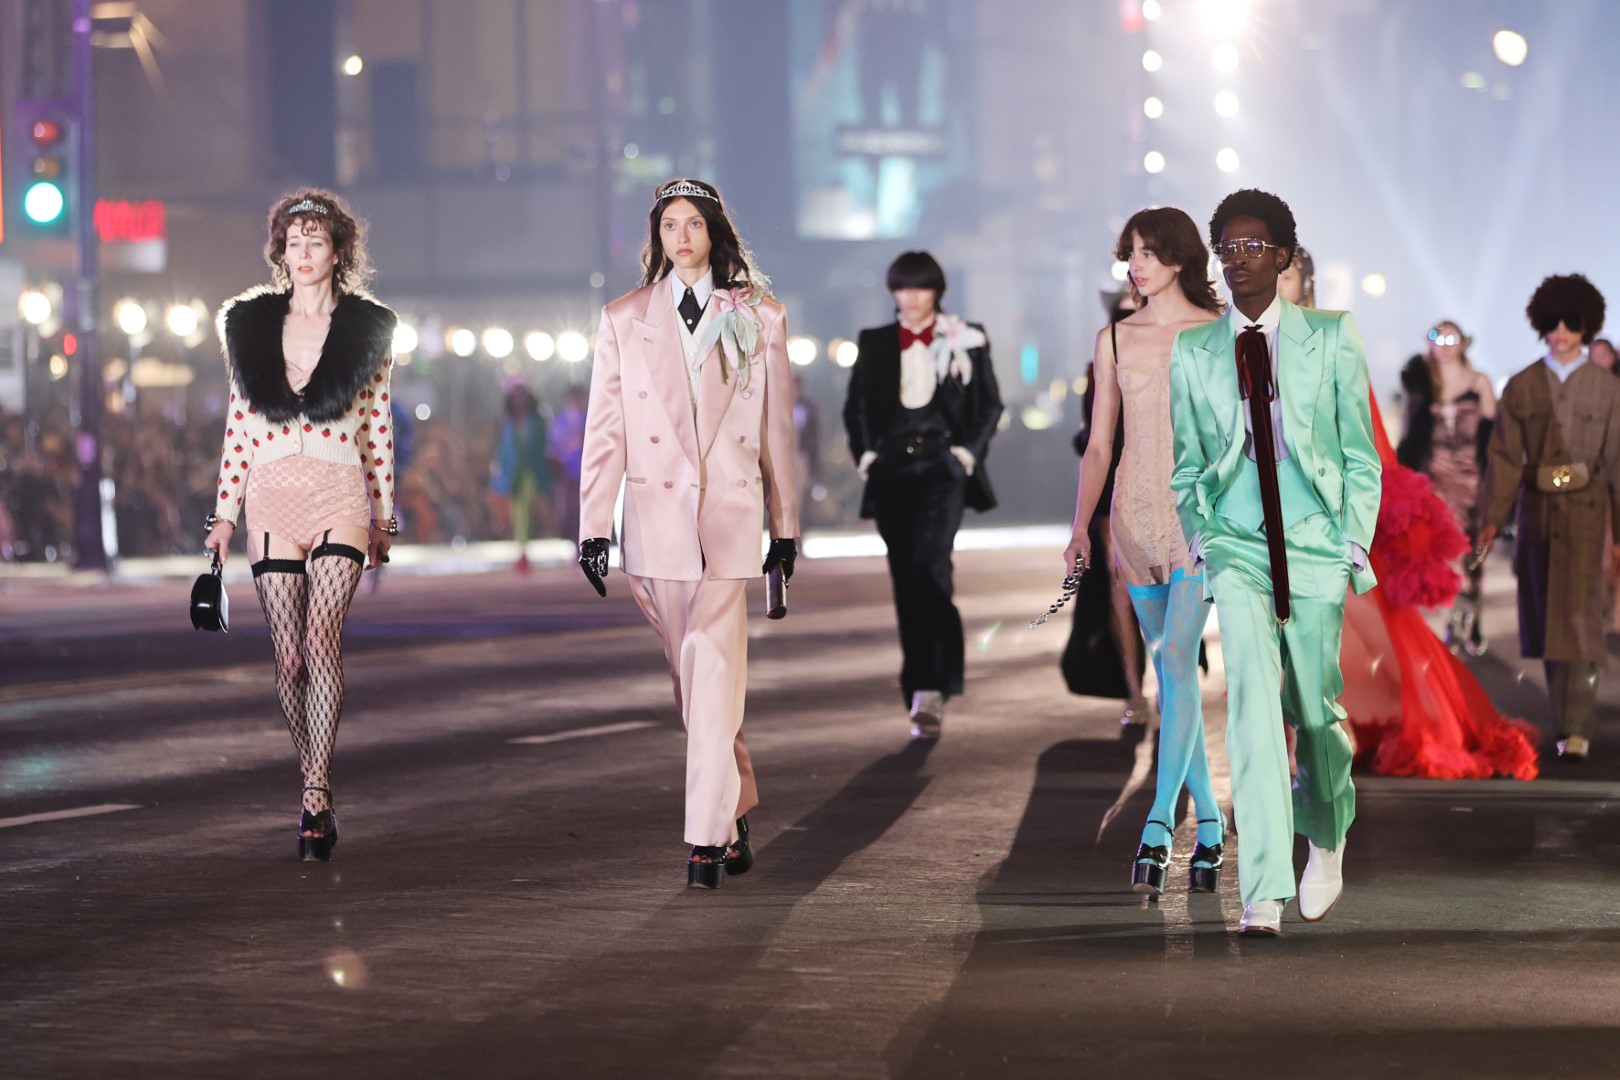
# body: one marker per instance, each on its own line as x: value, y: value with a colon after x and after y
x: 1172, y: 618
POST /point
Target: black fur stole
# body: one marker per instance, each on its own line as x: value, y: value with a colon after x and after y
x: 250, y: 328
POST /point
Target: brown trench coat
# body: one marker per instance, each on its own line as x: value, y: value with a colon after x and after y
x: 1561, y: 548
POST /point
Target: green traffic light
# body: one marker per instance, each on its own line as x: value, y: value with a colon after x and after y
x: 43, y: 202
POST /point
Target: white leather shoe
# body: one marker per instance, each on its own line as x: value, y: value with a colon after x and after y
x: 1322, y: 883
x: 927, y: 714
x: 1263, y: 917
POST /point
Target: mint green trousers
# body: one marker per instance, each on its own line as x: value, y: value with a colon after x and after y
x: 1283, y: 673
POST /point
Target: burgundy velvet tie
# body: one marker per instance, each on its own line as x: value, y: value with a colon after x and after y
x: 1254, y: 384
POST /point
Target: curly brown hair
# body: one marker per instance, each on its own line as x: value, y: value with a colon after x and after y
x: 326, y: 213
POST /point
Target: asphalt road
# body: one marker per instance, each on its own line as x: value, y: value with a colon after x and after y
x: 507, y: 908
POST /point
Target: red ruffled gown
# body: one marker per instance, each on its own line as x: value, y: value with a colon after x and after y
x: 1416, y: 710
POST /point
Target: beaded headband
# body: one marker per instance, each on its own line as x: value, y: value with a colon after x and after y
x: 683, y: 188
x: 309, y: 206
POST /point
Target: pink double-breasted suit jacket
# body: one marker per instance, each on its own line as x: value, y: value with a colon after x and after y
x: 697, y: 489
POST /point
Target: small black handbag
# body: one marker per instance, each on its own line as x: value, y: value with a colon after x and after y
x: 210, y: 608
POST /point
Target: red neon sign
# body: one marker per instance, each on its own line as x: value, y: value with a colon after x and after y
x: 126, y: 221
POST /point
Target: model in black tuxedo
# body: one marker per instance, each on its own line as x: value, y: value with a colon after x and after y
x: 916, y: 489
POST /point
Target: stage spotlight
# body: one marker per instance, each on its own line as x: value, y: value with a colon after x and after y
x: 353, y: 65
x: 1153, y: 108
x: 1226, y: 103
x: 540, y: 346
x: 1153, y: 162
x: 1227, y: 160
x: 573, y: 346
x: 1152, y: 61
x: 802, y: 350
x: 461, y: 341
x: 1510, y: 47
x: 498, y: 342
x: 1151, y: 10
x: 35, y: 307
x: 405, y: 338
x: 845, y: 353
x: 181, y: 319
x: 1225, y: 58
x: 130, y: 316
x: 1374, y: 285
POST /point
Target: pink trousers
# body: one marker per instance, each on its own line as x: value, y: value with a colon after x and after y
x: 704, y: 627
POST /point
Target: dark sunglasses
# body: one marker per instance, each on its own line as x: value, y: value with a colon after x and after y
x: 1573, y: 321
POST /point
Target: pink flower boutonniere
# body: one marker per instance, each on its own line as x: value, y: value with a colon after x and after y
x: 736, y: 327
x: 953, y: 338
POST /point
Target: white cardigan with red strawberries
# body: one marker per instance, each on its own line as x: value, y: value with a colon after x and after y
x: 342, y: 415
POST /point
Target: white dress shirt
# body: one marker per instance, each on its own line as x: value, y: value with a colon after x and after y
x: 1268, y: 322
x: 1564, y: 371
x: 702, y: 290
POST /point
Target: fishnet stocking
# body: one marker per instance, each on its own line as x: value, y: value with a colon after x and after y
x: 332, y: 581
x: 283, y: 597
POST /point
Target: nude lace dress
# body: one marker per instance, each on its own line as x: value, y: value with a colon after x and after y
x: 1148, y: 544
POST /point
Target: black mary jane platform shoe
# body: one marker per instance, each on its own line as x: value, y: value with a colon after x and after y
x: 1151, y: 870
x: 740, y: 855
x: 706, y: 868
x: 1204, y: 873
x: 317, y: 832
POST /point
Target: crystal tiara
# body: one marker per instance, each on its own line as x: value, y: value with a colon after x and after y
x: 682, y: 188
x: 308, y: 206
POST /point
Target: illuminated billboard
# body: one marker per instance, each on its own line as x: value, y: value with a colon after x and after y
x: 884, y: 102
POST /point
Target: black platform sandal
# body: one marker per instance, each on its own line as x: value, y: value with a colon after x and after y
x: 1204, y: 873
x: 1151, y: 870
x: 706, y: 867
x: 317, y: 832
x: 740, y: 855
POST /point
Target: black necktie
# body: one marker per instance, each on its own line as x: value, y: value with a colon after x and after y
x: 690, y: 309
x: 1254, y: 384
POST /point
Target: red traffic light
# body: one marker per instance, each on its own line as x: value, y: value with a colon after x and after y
x: 45, y: 132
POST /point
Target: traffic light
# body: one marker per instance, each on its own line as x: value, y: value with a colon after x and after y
x: 47, y: 174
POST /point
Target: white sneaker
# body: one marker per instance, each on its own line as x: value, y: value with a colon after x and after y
x: 927, y: 714
x: 1574, y: 747
x: 1322, y: 883
x: 1263, y: 917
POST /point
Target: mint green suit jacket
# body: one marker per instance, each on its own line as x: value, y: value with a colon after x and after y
x: 1327, y: 421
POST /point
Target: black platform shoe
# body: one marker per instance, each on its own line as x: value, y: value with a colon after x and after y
x: 317, y: 832
x: 706, y: 868
x: 1204, y: 873
x: 1152, y: 867
x: 740, y: 855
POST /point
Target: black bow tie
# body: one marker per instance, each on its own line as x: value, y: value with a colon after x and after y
x: 691, y: 311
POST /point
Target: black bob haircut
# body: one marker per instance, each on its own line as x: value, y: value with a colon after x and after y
x: 1268, y: 208
x: 1563, y: 297
x: 918, y: 270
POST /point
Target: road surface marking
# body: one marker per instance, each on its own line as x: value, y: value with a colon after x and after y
x: 64, y: 815
x: 584, y: 732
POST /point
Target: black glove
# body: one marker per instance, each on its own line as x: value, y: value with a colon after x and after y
x: 593, y: 555
x: 783, y: 553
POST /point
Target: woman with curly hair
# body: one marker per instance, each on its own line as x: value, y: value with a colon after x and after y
x: 1555, y: 455
x: 309, y: 448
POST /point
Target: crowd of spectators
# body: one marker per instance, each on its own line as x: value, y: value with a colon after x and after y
x: 163, y: 477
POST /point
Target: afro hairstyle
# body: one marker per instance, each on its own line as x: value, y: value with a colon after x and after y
x: 1268, y: 208
x: 1562, y: 297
